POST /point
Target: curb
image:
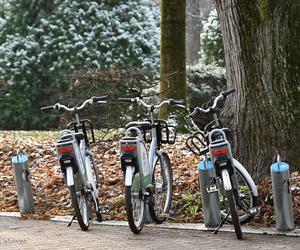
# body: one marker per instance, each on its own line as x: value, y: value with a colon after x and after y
x: 178, y: 226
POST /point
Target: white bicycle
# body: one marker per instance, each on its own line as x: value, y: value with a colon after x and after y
x: 148, y: 177
x: 237, y: 191
x: 77, y: 163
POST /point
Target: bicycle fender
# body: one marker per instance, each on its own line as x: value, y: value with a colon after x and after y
x: 244, y: 172
x: 128, y: 175
x: 226, y: 180
x: 70, y: 177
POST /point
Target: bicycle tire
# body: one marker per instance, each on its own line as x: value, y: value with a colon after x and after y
x: 135, y: 206
x: 81, y: 211
x: 161, y: 199
x: 234, y: 215
x: 247, y: 198
x: 96, y: 171
x: 95, y: 174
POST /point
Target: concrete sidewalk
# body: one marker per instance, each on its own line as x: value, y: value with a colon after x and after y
x: 32, y: 234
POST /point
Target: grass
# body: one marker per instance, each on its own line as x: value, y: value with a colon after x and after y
x: 36, y: 134
x: 103, y: 134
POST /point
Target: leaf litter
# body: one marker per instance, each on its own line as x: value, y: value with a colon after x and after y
x: 51, y: 196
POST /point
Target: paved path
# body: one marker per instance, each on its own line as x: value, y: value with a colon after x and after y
x: 29, y: 234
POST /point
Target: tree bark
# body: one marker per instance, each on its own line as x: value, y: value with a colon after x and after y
x: 172, y: 52
x: 262, y: 57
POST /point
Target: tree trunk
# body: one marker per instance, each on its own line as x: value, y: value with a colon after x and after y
x: 196, y: 12
x: 262, y: 57
x: 172, y: 52
x: 193, y: 29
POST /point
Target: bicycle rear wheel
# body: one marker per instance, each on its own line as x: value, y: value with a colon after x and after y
x: 162, y: 181
x: 246, y: 197
x: 80, y: 205
x: 135, y: 205
x: 234, y: 215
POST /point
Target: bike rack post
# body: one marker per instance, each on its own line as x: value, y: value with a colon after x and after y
x: 210, y: 200
x: 23, y: 183
x: 282, y: 196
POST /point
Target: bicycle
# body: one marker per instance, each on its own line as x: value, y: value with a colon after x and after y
x: 77, y: 164
x: 148, y: 177
x: 237, y: 191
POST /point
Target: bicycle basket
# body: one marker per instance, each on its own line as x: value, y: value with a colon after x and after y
x: 144, y: 127
x: 86, y: 127
x: 165, y: 133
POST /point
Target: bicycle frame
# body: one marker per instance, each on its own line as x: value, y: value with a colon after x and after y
x: 75, y: 161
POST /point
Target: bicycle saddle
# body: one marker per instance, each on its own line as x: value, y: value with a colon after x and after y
x: 78, y: 136
x: 143, y: 125
x: 216, y: 135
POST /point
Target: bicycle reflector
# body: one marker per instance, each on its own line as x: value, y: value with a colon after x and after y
x: 65, y: 150
x: 129, y: 148
x: 220, y: 152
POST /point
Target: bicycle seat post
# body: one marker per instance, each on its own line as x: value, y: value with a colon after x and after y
x: 215, y: 116
x: 152, y: 114
x: 76, y: 116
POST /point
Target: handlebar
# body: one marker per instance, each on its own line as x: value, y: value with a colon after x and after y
x: 171, y: 102
x: 126, y: 99
x: 45, y: 109
x: 222, y: 95
x: 227, y: 92
x: 99, y: 98
x: 85, y: 103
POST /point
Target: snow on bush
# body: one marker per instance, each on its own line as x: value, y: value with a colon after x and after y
x: 41, y: 45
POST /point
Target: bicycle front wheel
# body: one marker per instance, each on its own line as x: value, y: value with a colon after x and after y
x: 80, y: 205
x: 162, y: 181
x: 234, y: 215
x: 135, y: 205
x: 96, y: 180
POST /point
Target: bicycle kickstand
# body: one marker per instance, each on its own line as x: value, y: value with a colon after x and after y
x: 70, y: 223
x: 221, y: 224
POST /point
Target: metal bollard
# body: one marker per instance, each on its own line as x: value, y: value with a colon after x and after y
x: 282, y: 196
x: 22, y: 178
x: 209, y: 194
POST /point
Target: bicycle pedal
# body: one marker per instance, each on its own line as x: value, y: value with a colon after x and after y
x: 253, y: 211
x: 104, y: 209
x: 212, y: 189
x: 150, y: 188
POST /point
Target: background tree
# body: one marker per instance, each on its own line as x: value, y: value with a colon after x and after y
x: 196, y: 12
x: 262, y: 57
x: 172, y: 52
x: 206, y: 79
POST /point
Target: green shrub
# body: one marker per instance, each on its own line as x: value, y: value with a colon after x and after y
x: 43, y: 42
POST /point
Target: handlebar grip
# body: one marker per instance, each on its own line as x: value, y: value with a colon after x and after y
x: 47, y: 108
x: 227, y: 92
x: 99, y: 98
x: 175, y: 102
x: 126, y: 99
